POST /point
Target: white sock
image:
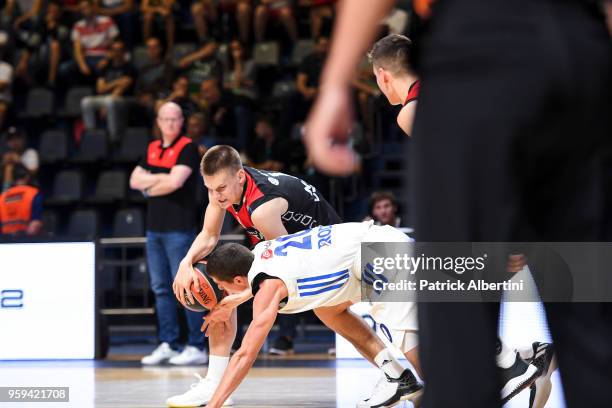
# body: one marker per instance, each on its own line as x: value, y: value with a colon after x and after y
x: 506, y: 356
x: 216, y: 367
x: 388, y: 364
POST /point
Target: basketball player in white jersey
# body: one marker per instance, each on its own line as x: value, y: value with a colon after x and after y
x: 317, y: 269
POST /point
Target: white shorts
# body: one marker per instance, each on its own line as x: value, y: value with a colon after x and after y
x: 398, y: 319
x: 404, y: 340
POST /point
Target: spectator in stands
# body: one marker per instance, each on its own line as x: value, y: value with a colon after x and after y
x: 200, y: 65
x: 162, y: 9
x: 266, y: 151
x: 18, y: 154
x: 229, y: 116
x: 153, y: 79
x: 6, y: 82
x: 43, y: 49
x: 321, y: 13
x: 206, y: 17
x: 383, y: 209
x: 92, y: 38
x: 114, y: 83
x: 198, y: 132
x: 180, y: 95
x: 368, y: 94
x: 280, y: 9
x: 307, y: 83
x: 167, y: 177
x: 240, y: 78
x: 122, y: 12
x: 155, y: 76
x: 21, y: 205
x: 22, y: 13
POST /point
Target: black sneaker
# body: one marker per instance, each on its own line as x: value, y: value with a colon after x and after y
x: 543, y: 359
x: 542, y: 356
x: 390, y: 391
x: 282, y: 346
x: 516, y: 378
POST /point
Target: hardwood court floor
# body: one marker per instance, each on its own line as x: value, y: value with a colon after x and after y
x: 273, y: 383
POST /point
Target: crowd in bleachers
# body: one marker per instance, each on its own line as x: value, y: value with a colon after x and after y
x: 81, y: 82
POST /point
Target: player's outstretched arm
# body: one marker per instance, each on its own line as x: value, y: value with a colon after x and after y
x: 222, y: 312
x: 330, y: 119
x: 203, y: 244
x: 265, y: 309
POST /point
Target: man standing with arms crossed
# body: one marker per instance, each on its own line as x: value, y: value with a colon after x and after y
x: 167, y: 177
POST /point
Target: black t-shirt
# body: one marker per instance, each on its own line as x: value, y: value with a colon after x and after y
x: 111, y: 73
x: 225, y: 127
x: 175, y: 211
x: 260, y: 151
x: 311, y: 66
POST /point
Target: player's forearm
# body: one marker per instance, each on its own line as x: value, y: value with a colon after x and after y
x: 142, y: 180
x: 202, y: 245
x: 356, y: 26
x: 166, y: 184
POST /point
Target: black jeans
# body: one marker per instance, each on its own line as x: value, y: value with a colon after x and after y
x: 513, y: 115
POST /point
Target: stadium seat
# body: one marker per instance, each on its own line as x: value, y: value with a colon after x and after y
x: 93, y: 147
x: 53, y: 146
x: 128, y: 223
x: 133, y: 144
x: 110, y: 187
x: 50, y: 222
x: 266, y: 53
x: 72, y: 105
x: 223, y: 55
x: 283, y: 88
x: 302, y: 49
x: 83, y: 224
x: 39, y: 103
x: 140, y: 58
x: 67, y: 188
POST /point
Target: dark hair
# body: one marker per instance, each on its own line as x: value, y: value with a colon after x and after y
x: 20, y: 172
x: 392, y: 53
x: 231, y: 63
x: 220, y: 157
x: 378, y: 196
x: 228, y: 261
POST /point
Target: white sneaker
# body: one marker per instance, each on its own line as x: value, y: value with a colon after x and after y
x: 199, y: 395
x: 389, y: 392
x: 162, y: 353
x: 190, y: 355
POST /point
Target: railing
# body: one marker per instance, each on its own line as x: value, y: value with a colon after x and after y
x: 129, y: 256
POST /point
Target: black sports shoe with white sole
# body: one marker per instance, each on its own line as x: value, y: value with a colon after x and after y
x: 516, y: 378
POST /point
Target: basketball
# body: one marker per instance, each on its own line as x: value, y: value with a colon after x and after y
x: 208, y: 295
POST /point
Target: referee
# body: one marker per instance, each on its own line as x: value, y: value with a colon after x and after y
x: 513, y: 115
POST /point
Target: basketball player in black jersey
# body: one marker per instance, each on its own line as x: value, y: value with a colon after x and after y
x: 267, y: 205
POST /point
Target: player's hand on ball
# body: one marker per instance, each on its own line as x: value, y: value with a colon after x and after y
x: 185, y: 276
x: 214, y: 324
